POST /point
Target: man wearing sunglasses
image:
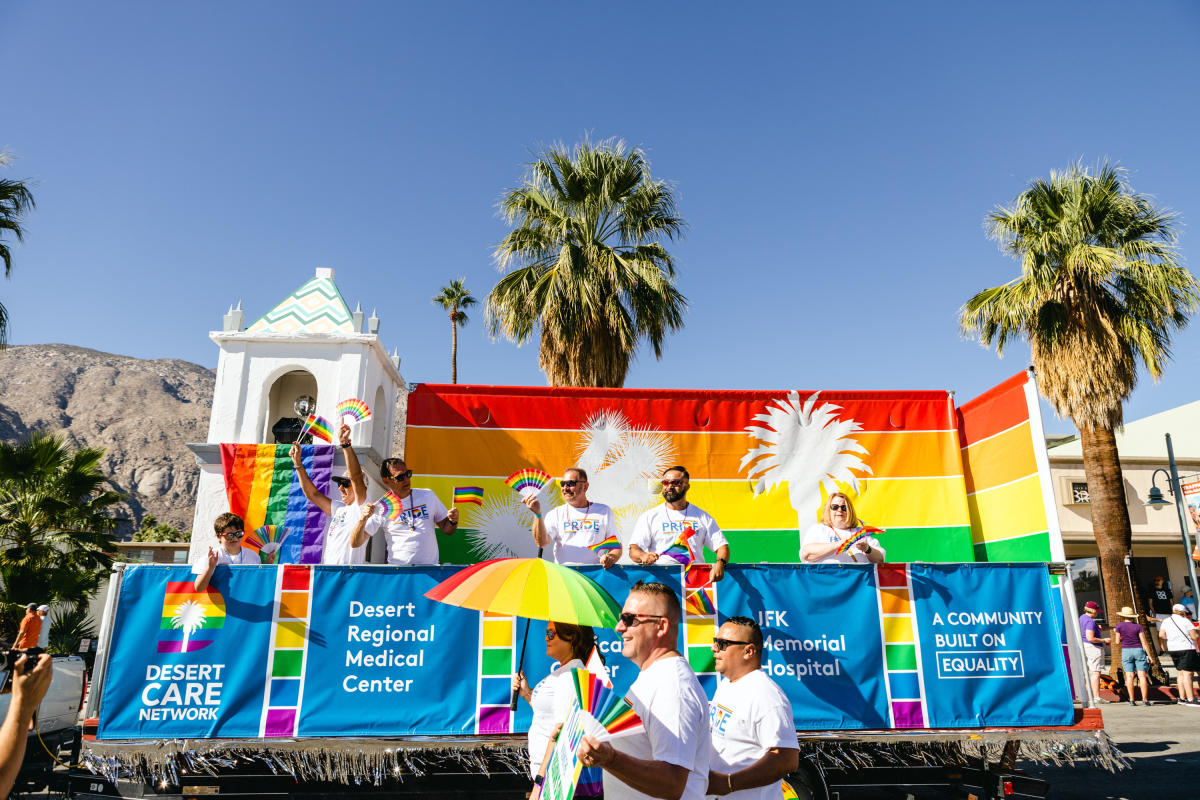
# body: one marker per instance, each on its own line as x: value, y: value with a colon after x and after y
x: 658, y: 529
x: 229, y: 529
x: 753, y: 734
x: 576, y: 525
x: 345, y: 535
x: 412, y: 537
x: 670, y: 757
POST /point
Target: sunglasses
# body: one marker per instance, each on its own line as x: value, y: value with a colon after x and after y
x: 233, y: 534
x: 838, y: 507
x: 550, y: 635
x: 342, y: 482
x: 721, y: 644
x: 569, y: 484
x: 671, y: 483
x: 633, y: 620
x: 402, y: 476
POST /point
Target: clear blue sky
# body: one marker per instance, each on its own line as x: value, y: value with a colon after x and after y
x: 834, y: 161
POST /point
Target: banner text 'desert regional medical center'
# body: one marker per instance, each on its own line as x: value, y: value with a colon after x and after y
x: 284, y: 651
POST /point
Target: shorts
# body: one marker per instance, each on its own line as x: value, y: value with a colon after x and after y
x: 1186, y: 660
x: 1093, y: 655
x: 1133, y: 659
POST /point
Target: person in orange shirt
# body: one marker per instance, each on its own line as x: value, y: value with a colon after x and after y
x: 31, y: 628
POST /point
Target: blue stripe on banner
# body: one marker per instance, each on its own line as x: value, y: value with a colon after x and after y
x: 321, y: 471
x: 285, y: 692
x: 495, y: 691
x: 296, y: 520
x: 904, y: 685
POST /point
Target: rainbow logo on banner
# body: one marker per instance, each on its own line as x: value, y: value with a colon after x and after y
x: 264, y: 489
x: 189, y: 617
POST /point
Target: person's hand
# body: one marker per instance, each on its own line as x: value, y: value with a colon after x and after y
x: 452, y: 515
x: 864, y: 546
x: 595, y: 754
x: 610, y: 558
x: 367, y: 510
x: 29, y: 689
x: 344, y: 435
x: 520, y: 685
x: 718, y: 571
x: 294, y: 452
x: 649, y: 558
x: 213, y: 557
x: 532, y: 503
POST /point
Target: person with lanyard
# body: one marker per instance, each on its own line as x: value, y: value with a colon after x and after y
x: 661, y: 527
x: 411, y: 538
x: 1134, y: 646
x: 575, y: 526
x: 1180, y: 639
x: 754, y: 743
x: 346, y: 535
x: 670, y: 756
x: 230, y: 529
x: 839, y: 523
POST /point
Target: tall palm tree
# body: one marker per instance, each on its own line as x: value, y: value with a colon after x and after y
x: 15, y: 201
x: 1101, y: 290
x: 454, y: 298
x: 585, y: 263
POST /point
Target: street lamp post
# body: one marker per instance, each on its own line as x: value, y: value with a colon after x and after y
x: 1157, y: 500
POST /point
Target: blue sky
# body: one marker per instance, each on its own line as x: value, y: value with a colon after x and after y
x: 834, y: 163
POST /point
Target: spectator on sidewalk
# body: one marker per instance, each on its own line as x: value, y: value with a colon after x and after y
x: 1179, y: 638
x: 1134, y: 646
x: 30, y: 630
x: 1093, y: 644
x: 44, y: 634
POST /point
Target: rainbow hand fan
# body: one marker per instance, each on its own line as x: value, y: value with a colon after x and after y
x: 468, y: 494
x: 681, y: 549
x: 318, y: 427
x: 610, y: 709
x: 391, y: 506
x: 527, y: 481
x: 604, y: 547
x: 266, y: 541
x: 354, y: 408
x: 856, y: 537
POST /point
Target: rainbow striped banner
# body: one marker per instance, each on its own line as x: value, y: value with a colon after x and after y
x: 284, y: 692
x: 901, y: 653
x: 264, y: 489
x: 190, y: 614
x: 497, y: 663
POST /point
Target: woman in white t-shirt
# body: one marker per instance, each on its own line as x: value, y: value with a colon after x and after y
x: 839, y: 523
x: 1180, y: 637
x: 569, y: 645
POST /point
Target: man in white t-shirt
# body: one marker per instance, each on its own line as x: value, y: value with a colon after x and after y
x: 670, y: 757
x: 575, y: 526
x: 343, y: 545
x: 411, y: 539
x: 657, y: 529
x: 229, y: 529
x: 753, y: 734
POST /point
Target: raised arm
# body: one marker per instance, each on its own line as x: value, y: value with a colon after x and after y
x: 353, y: 468
x: 201, y: 581
x: 541, y: 537
x: 308, y: 487
x: 27, y: 693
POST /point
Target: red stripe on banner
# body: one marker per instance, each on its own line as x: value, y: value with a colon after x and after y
x: 997, y: 409
x: 238, y: 464
x: 892, y: 576
x: 521, y: 407
x: 295, y: 578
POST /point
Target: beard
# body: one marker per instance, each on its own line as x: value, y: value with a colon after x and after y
x: 673, y: 495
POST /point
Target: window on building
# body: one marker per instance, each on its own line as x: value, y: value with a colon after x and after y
x: 139, y: 556
x: 1079, y: 493
x: 180, y: 556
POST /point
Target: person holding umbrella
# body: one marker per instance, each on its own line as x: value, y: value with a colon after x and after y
x: 569, y: 646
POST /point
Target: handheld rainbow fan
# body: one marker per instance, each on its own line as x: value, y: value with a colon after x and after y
x: 391, y: 506
x: 610, y: 709
x: 355, y: 409
x: 856, y: 537
x: 527, y: 481
x: 266, y: 541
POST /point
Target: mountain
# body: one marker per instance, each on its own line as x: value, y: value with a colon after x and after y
x: 141, y: 413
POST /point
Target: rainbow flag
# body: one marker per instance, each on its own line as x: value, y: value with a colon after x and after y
x: 700, y: 603
x: 610, y: 709
x: 680, y: 549
x: 263, y: 489
x: 318, y: 427
x: 468, y: 494
x: 856, y: 537
x: 354, y: 408
x: 611, y: 543
x: 187, y: 615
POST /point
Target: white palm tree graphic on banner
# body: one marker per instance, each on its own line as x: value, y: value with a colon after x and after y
x: 808, y: 447
x: 190, y: 616
x: 624, y: 464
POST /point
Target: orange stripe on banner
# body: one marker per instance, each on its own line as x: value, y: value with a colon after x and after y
x: 1000, y: 459
x: 260, y: 489
x: 439, y: 451
x: 241, y: 478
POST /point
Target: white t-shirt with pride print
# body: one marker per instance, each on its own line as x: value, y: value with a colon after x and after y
x: 658, y: 528
x: 747, y: 717
x: 412, y: 539
x: 573, y: 529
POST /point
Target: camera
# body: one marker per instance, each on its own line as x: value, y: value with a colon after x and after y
x: 9, y: 657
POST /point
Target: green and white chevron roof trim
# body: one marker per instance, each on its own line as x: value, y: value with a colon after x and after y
x: 316, y: 307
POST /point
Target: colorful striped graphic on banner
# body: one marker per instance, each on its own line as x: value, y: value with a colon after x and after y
x: 496, y: 667
x: 1007, y: 472
x: 901, y: 656
x: 700, y: 623
x: 190, y: 613
x: 264, y: 489
x: 284, y: 693
x: 760, y: 462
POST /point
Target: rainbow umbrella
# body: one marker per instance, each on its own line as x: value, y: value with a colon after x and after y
x: 532, y: 588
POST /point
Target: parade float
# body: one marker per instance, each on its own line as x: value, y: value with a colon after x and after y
x: 943, y: 666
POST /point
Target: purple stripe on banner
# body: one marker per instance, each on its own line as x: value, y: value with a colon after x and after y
x: 177, y: 647
x: 281, y: 722
x: 493, y: 719
x: 296, y: 520
x: 908, y: 714
x: 320, y: 469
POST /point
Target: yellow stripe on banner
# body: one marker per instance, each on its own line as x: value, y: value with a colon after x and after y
x: 1000, y: 459
x: 260, y: 489
x: 439, y: 451
x: 1008, y: 511
x: 498, y: 632
x: 897, y: 630
x: 289, y: 634
x: 700, y: 631
x: 211, y: 609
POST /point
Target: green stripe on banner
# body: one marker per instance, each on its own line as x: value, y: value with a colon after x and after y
x: 901, y: 656
x: 1034, y: 547
x: 949, y: 543
x: 496, y: 662
x: 287, y: 664
x: 700, y: 657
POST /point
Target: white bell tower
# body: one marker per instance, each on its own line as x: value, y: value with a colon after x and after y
x: 309, y: 350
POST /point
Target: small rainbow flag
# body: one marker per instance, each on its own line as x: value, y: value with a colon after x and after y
x: 527, y: 480
x: 354, y: 408
x: 266, y: 541
x: 318, y: 427
x: 468, y: 494
x: 187, y: 613
x: 680, y: 549
x: 391, y: 505
x: 856, y: 537
x: 609, y: 708
x: 700, y: 603
x: 611, y: 543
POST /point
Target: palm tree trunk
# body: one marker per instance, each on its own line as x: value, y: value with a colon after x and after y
x: 453, y: 349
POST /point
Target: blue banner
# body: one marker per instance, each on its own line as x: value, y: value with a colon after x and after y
x: 316, y: 651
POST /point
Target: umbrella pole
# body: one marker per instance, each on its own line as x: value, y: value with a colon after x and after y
x: 512, y: 704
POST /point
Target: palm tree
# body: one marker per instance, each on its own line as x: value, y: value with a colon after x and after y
x: 454, y: 298
x: 1100, y: 291
x: 587, y: 263
x: 55, y: 521
x: 188, y: 615
x: 15, y: 201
